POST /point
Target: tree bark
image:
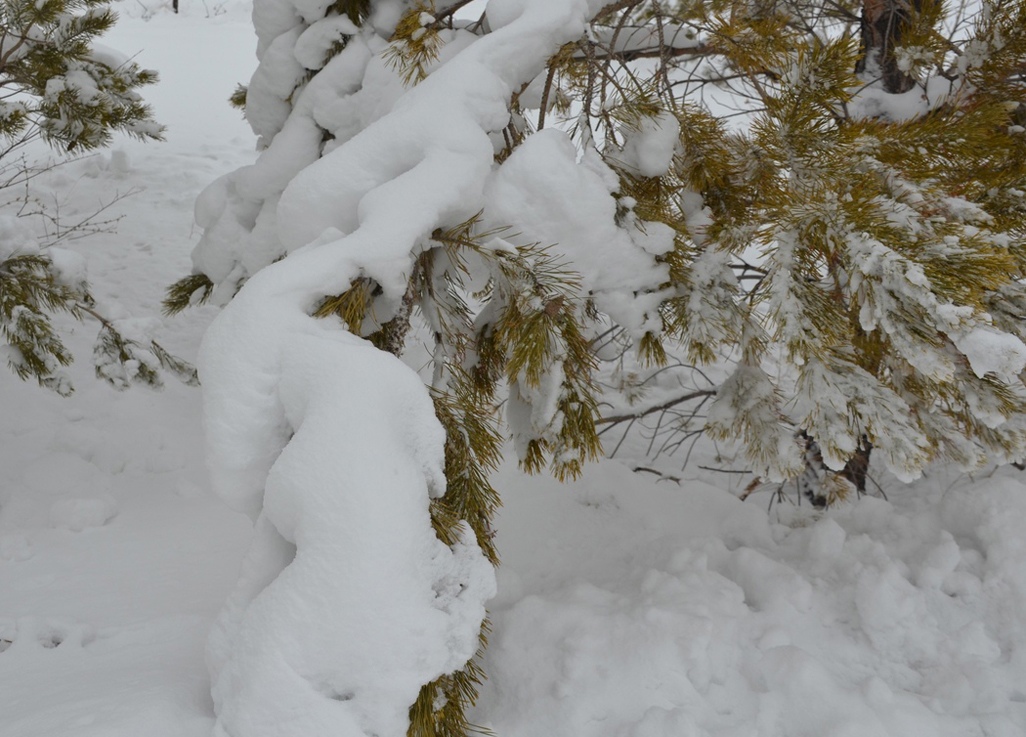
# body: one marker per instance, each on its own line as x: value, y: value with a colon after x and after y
x: 811, y: 482
x: 883, y: 22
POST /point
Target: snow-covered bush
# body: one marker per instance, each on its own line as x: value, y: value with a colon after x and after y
x: 837, y: 225
x: 60, y: 87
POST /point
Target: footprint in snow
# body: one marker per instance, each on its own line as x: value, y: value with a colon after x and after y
x: 15, y: 546
x: 36, y: 633
x: 75, y: 513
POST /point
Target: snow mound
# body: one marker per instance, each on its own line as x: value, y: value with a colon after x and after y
x: 348, y: 603
x: 878, y: 619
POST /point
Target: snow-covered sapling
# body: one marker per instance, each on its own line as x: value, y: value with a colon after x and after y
x: 62, y: 88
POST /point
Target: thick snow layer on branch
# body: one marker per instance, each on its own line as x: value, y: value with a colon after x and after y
x: 530, y: 193
x: 272, y: 84
x: 238, y: 212
x: 313, y: 45
x: 991, y: 351
x: 348, y: 603
x: 369, y: 605
x: 648, y: 151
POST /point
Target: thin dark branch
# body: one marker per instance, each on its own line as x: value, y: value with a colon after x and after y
x: 449, y: 10
x: 660, y: 474
x: 653, y: 52
x: 658, y: 408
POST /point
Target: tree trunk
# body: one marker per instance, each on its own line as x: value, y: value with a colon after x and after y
x: 818, y: 483
x: 882, y: 24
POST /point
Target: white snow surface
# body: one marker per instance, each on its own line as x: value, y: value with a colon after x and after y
x: 648, y: 151
x: 528, y: 194
x: 625, y: 607
x: 347, y: 603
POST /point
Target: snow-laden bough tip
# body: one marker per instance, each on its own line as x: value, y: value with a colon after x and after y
x: 348, y: 603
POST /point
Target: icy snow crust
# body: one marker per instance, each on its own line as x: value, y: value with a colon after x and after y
x: 347, y: 603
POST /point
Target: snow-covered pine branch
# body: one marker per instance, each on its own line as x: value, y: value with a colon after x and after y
x: 512, y: 186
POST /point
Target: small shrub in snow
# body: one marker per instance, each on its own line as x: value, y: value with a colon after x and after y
x: 61, y: 87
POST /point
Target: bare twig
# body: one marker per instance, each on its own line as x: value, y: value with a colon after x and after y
x: 658, y: 408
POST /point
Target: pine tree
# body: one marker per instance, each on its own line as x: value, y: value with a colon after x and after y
x: 61, y: 89
x: 824, y: 201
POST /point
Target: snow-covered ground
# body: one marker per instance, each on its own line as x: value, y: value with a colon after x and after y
x: 627, y: 607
